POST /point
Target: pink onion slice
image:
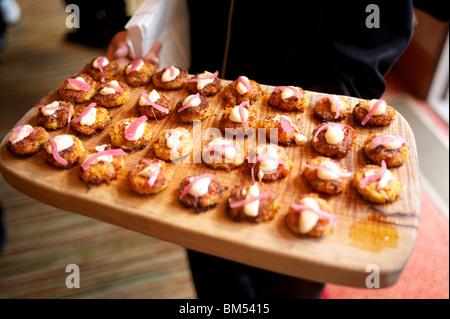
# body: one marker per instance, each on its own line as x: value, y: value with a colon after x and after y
x: 152, y: 179
x: 212, y: 76
x: 55, y: 152
x: 372, y: 111
x: 260, y: 158
x: 242, y: 114
x: 372, y: 178
x: 335, y: 101
x: 135, y: 65
x: 93, y: 157
x: 287, y: 125
x: 296, y: 91
x: 324, y: 127
x: 386, y: 139
x: 116, y: 88
x: 189, y: 102
x: 196, y: 179
x: 82, y: 86
x: 243, y: 202
x: 130, y: 132
x: 100, y: 63
x: 21, y: 128
x: 156, y: 106
x: 85, y: 111
x: 171, y: 71
x: 339, y: 173
x: 246, y: 84
x: 324, y: 215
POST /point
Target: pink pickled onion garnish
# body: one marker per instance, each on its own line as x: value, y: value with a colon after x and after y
x: 196, y: 179
x: 60, y: 107
x: 287, y: 125
x: 93, y: 157
x: 156, y: 106
x: 154, y: 176
x: 335, y: 101
x: 212, y: 76
x: 372, y: 111
x: 171, y: 70
x: 82, y: 86
x: 246, y: 84
x: 241, y: 113
x: 324, y: 127
x: 189, y: 102
x: 116, y: 88
x: 135, y: 65
x: 339, y: 173
x: 85, y: 111
x: 130, y: 132
x: 322, y: 214
x: 100, y: 63
x: 55, y: 153
x: 21, y: 128
x: 243, y: 202
x: 260, y: 158
x: 374, y: 177
x: 386, y: 139
x: 296, y: 91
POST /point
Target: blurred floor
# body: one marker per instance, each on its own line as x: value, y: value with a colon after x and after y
x: 42, y: 241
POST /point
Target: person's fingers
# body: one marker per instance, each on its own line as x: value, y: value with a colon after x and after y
x: 118, y: 48
x: 153, y: 55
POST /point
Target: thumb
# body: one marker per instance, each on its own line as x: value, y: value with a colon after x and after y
x: 153, y: 55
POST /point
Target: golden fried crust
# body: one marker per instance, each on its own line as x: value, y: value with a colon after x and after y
x: 151, y: 112
x: 31, y: 144
x: 267, y: 209
x: 238, y: 127
x: 139, y: 183
x: 290, y: 104
x: 271, y: 122
x: 71, y: 154
x: 101, y: 172
x: 102, y: 120
x: 110, y: 70
x: 331, y: 187
x: 393, y: 158
x: 371, y: 193
x: 177, y: 84
x: 140, y: 77
x: 112, y: 100
x: 281, y: 172
x: 209, y: 89
x: 77, y: 96
x: 384, y: 119
x: 166, y: 153
x: 216, y: 160
x: 321, y: 229
x: 118, y: 139
x: 57, y: 120
x: 209, y: 200
x: 194, y: 113
x: 322, y: 110
x: 232, y: 97
x: 339, y: 150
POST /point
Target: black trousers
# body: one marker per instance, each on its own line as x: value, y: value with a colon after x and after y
x: 217, y: 278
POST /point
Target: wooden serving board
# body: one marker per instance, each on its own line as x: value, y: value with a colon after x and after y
x: 368, y: 234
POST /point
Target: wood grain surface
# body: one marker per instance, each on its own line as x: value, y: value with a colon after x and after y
x: 367, y: 234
